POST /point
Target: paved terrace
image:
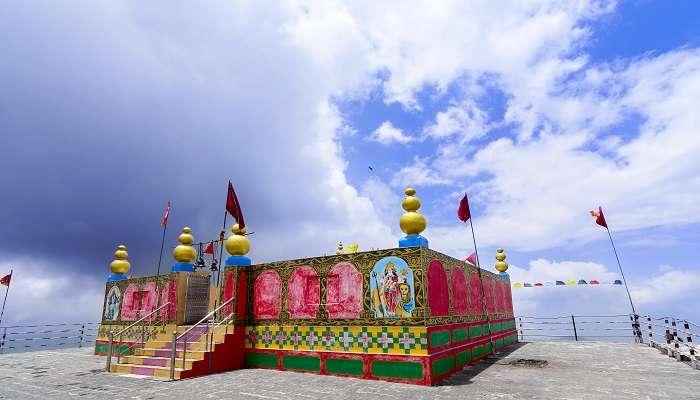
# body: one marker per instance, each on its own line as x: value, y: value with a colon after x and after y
x: 575, y: 370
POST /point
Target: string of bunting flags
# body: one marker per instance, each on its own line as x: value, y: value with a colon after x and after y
x: 567, y: 282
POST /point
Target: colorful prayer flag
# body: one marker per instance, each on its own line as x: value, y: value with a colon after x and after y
x: 558, y: 283
x: 166, y: 215
x: 600, y: 218
x: 463, y: 212
x: 471, y: 259
x: 5, y: 280
x: 233, y: 206
x: 209, y: 249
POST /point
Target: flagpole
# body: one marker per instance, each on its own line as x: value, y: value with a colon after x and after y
x: 481, y: 284
x: 5, y: 301
x: 621, y: 273
x: 162, y: 245
x: 221, y: 250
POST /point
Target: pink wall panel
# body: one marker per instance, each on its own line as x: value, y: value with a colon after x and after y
x: 490, y: 295
x: 267, y: 295
x: 475, y: 292
x: 149, y: 300
x: 500, y: 293
x: 460, y: 297
x: 438, y: 294
x: 508, y: 298
x: 168, y: 294
x: 344, y: 291
x: 228, y: 294
x: 130, y: 302
x: 303, y: 293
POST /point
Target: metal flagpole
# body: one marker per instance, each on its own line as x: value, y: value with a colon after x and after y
x: 621, y: 273
x: 162, y: 241
x: 481, y: 284
x: 221, y: 249
x: 162, y: 244
x: 5, y: 301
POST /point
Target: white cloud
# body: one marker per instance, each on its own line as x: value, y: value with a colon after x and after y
x: 668, y: 291
x: 49, y: 292
x: 387, y: 133
x: 417, y: 174
x: 465, y: 119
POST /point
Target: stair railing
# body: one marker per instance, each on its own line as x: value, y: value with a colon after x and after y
x: 177, y: 337
x: 120, y: 334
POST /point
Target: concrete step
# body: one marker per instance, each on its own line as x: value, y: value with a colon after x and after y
x: 165, y: 353
x: 147, y: 370
x: 158, y: 361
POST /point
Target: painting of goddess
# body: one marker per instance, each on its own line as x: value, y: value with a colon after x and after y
x: 392, y: 288
x: 112, y: 304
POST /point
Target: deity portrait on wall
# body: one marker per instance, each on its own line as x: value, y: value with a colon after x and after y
x: 112, y: 303
x: 391, y: 284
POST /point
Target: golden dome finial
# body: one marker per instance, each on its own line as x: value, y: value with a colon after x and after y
x: 412, y: 222
x: 120, y: 265
x: 501, y: 264
x: 237, y: 244
x: 184, y: 252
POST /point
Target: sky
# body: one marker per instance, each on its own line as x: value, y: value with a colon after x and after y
x: 540, y: 110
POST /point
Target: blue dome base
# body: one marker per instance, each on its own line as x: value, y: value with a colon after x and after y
x: 413, y: 241
x: 504, y: 275
x: 116, y: 277
x: 182, y: 267
x: 238, y: 260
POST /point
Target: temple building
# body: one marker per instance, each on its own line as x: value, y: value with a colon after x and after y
x: 406, y: 314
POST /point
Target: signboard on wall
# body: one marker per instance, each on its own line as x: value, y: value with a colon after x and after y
x: 196, y: 298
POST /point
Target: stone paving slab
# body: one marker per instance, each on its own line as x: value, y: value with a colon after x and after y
x: 575, y: 370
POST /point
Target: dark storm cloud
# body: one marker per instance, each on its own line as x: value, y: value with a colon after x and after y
x: 107, y: 112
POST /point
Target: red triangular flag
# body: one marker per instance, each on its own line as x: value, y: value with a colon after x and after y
x: 234, y: 207
x: 463, y: 212
x: 166, y: 215
x: 600, y: 218
x: 471, y: 259
x: 5, y: 280
x: 209, y: 249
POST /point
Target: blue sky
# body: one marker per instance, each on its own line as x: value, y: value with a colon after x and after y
x: 540, y: 110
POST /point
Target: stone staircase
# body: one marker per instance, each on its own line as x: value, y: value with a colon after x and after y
x: 154, y: 358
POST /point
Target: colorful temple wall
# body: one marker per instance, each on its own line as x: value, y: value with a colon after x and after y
x: 128, y: 300
x: 410, y: 314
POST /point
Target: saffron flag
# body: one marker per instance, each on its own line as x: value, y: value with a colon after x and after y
x: 209, y: 249
x: 599, y: 217
x: 233, y: 206
x: 5, y: 280
x: 471, y: 259
x: 166, y: 215
x: 463, y: 212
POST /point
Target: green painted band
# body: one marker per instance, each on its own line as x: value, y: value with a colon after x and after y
x: 439, y: 338
x: 397, y: 369
x: 301, y: 363
x: 443, y: 365
x: 344, y: 366
x: 464, y: 357
x: 459, y: 335
x: 261, y: 360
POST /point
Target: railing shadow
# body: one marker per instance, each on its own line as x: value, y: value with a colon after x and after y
x: 465, y: 376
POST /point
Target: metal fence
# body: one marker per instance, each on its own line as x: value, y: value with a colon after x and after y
x: 19, y: 338
x: 576, y: 327
x: 673, y: 336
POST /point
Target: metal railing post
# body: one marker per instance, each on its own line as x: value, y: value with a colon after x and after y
x: 520, y: 323
x: 172, y: 355
x: 650, y: 331
x: 109, y: 350
x: 573, y: 322
x: 82, y: 330
x: 2, y: 342
x: 689, y: 337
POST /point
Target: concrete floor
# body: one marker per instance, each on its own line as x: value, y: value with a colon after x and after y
x: 575, y: 370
